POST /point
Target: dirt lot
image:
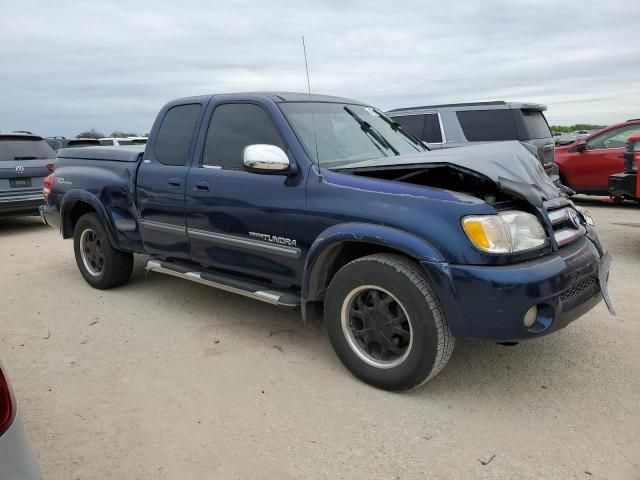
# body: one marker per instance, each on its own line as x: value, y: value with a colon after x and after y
x: 165, y: 379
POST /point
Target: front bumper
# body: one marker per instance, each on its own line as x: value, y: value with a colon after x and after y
x: 17, y: 461
x: 22, y: 203
x: 490, y: 302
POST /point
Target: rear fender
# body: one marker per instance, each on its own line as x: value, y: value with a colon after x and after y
x: 71, y: 199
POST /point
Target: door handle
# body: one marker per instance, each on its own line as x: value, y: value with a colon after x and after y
x: 202, y: 186
x: 174, y: 182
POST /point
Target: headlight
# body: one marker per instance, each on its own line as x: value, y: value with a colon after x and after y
x: 587, y: 216
x: 507, y: 232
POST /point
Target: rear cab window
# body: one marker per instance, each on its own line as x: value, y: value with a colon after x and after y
x: 173, y: 143
x: 24, y: 148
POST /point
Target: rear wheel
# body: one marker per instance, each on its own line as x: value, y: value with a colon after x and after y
x: 385, y: 323
x: 101, y: 265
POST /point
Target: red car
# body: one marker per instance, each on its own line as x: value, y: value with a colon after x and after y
x: 585, y: 165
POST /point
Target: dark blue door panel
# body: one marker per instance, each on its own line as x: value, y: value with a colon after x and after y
x: 161, y: 203
x: 247, y: 222
x: 162, y: 178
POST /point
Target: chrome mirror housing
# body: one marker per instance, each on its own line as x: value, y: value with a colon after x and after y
x: 261, y: 158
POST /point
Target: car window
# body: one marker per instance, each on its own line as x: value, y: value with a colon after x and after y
x: 413, y: 123
x: 615, y: 138
x: 106, y: 143
x: 234, y: 126
x: 82, y: 142
x: 432, y: 132
x: 176, y: 134
x: 424, y: 126
x: 535, y: 124
x: 487, y: 125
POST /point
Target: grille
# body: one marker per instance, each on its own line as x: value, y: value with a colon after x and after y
x: 567, y: 225
x: 589, y: 284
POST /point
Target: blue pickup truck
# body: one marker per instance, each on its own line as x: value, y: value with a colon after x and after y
x: 326, y: 204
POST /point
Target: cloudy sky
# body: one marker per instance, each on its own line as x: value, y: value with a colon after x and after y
x: 67, y: 66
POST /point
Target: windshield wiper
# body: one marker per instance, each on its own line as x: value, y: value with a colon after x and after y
x: 399, y: 128
x: 369, y: 129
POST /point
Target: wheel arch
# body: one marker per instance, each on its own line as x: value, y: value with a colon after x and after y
x: 340, y: 244
x: 77, y: 203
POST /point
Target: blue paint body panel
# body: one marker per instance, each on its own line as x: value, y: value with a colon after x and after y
x: 317, y: 211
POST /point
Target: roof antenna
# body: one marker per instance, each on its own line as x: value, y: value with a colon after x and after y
x: 306, y: 66
x: 313, y: 121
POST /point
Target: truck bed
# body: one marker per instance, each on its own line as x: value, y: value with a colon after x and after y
x: 115, y: 154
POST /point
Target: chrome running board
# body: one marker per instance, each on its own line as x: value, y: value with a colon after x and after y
x: 229, y: 284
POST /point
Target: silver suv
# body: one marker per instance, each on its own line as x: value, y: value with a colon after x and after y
x: 458, y: 124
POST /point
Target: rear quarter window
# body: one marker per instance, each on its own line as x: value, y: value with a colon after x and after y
x: 535, y: 124
x: 487, y: 125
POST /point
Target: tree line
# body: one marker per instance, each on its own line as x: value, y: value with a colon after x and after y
x: 573, y: 128
x: 93, y: 133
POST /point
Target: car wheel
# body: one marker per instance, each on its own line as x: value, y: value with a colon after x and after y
x: 101, y: 265
x: 386, y: 324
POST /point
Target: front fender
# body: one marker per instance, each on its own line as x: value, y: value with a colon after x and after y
x: 70, y: 199
x: 322, y: 249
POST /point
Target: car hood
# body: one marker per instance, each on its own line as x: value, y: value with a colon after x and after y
x: 510, y: 165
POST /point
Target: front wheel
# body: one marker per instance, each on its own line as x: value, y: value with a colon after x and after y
x: 385, y: 322
x: 101, y: 265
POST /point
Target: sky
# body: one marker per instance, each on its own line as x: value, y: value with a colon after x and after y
x: 67, y: 66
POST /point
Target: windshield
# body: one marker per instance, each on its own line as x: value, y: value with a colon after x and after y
x: 347, y: 133
x: 24, y: 148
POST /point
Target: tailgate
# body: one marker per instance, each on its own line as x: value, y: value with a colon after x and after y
x: 23, y: 175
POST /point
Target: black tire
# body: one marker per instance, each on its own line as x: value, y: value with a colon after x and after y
x: 106, y: 267
x: 398, y: 282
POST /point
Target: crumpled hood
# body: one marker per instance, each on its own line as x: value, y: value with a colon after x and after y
x: 510, y: 165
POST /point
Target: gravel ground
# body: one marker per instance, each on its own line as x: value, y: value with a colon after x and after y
x: 166, y: 379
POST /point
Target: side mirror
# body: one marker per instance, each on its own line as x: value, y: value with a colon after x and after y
x: 580, y: 147
x: 261, y: 158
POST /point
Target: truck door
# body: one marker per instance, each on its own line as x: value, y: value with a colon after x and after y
x: 239, y: 221
x: 161, y: 183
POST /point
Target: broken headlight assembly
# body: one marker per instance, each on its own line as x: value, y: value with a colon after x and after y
x: 511, y: 231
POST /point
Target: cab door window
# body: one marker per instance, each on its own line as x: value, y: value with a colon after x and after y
x: 233, y: 127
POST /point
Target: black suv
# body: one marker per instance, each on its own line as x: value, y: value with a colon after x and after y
x: 458, y: 124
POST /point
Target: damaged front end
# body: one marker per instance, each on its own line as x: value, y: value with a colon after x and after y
x: 567, y: 272
x: 505, y: 175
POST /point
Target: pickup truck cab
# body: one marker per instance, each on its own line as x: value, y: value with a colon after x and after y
x: 325, y: 203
